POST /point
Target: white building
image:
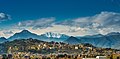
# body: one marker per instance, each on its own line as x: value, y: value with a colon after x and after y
x: 90, y: 58
x: 76, y: 48
x: 98, y: 57
x: 101, y: 57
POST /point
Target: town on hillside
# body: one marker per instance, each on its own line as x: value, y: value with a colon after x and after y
x: 36, y: 49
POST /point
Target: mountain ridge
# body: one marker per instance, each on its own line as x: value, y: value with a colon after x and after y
x: 25, y: 34
x: 110, y: 40
x: 3, y: 39
x: 72, y: 40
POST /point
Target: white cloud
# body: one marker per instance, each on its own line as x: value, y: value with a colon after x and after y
x: 4, y: 17
x: 102, y: 23
x: 39, y: 23
x: 107, y: 18
x: 103, y: 19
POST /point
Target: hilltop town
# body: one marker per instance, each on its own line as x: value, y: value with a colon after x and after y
x: 33, y: 48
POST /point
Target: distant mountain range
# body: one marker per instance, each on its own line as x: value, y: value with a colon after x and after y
x: 25, y: 34
x: 3, y: 39
x: 111, y: 40
x: 72, y: 40
x: 49, y: 36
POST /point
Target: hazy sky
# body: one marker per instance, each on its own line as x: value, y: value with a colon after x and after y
x: 71, y: 17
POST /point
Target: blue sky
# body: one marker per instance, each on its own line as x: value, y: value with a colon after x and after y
x: 19, y: 12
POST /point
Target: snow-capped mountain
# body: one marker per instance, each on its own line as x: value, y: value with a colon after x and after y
x: 55, y: 35
x: 25, y: 34
x: 111, y: 40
